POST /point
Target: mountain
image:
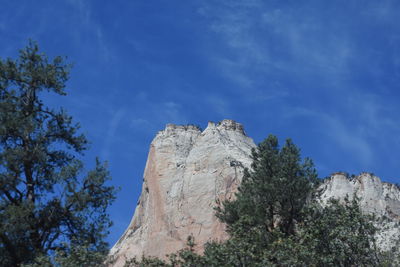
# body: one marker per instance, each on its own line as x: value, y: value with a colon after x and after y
x: 188, y: 170
x: 375, y: 197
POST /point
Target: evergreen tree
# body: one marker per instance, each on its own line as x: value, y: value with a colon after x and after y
x: 335, y: 234
x: 272, y: 193
x: 275, y: 220
x: 339, y: 234
x: 49, y: 209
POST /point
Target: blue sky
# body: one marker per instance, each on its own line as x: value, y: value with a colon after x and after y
x: 324, y: 73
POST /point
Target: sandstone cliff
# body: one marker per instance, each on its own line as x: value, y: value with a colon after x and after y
x: 376, y: 197
x: 188, y: 170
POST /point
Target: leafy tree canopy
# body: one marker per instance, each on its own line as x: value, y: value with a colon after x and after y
x: 273, y: 193
x: 275, y: 220
x: 50, y: 209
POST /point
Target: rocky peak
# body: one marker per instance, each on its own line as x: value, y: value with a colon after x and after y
x: 188, y: 170
x: 176, y: 129
x: 376, y: 197
x: 228, y: 125
x: 373, y: 193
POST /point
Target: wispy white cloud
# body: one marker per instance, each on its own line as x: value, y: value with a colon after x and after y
x: 111, y: 132
x: 377, y: 121
x: 234, y: 26
x: 233, y: 70
x: 262, y: 41
x: 92, y: 27
x: 352, y: 141
x: 219, y: 105
x: 141, y: 123
x: 172, y: 111
x: 83, y: 10
x: 349, y: 139
x: 155, y: 114
x: 362, y: 128
x: 274, y: 47
x: 383, y: 11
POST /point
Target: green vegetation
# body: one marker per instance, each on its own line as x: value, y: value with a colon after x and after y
x: 276, y: 221
x: 51, y: 213
x: 54, y: 214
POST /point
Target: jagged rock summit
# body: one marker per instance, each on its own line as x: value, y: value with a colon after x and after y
x: 376, y: 197
x: 188, y: 170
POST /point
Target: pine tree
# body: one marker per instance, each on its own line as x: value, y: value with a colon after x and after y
x: 272, y: 193
x: 339, y: 234
x: 49, y: 208
x: 276, y: 220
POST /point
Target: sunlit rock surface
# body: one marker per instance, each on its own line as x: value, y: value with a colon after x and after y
x: 376, y: 197
x: 188, y: 170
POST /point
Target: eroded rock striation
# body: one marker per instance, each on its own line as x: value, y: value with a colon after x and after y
x: 188, y: 170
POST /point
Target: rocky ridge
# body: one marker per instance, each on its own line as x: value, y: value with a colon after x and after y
x: 376, y: 197
x: 188, y: 170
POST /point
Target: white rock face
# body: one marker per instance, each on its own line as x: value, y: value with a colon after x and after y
x: 186, y: 172
x: 376, y: 197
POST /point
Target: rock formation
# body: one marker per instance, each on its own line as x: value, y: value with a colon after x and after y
x: 376, y: 197
x: 188, y: 170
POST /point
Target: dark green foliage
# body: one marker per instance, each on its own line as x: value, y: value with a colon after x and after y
x: 183, y: 258
x: 334, y: 235
x: 49, y: 209
x: 275, y: 221
x: 272, y: 193
x: 339, y: 235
